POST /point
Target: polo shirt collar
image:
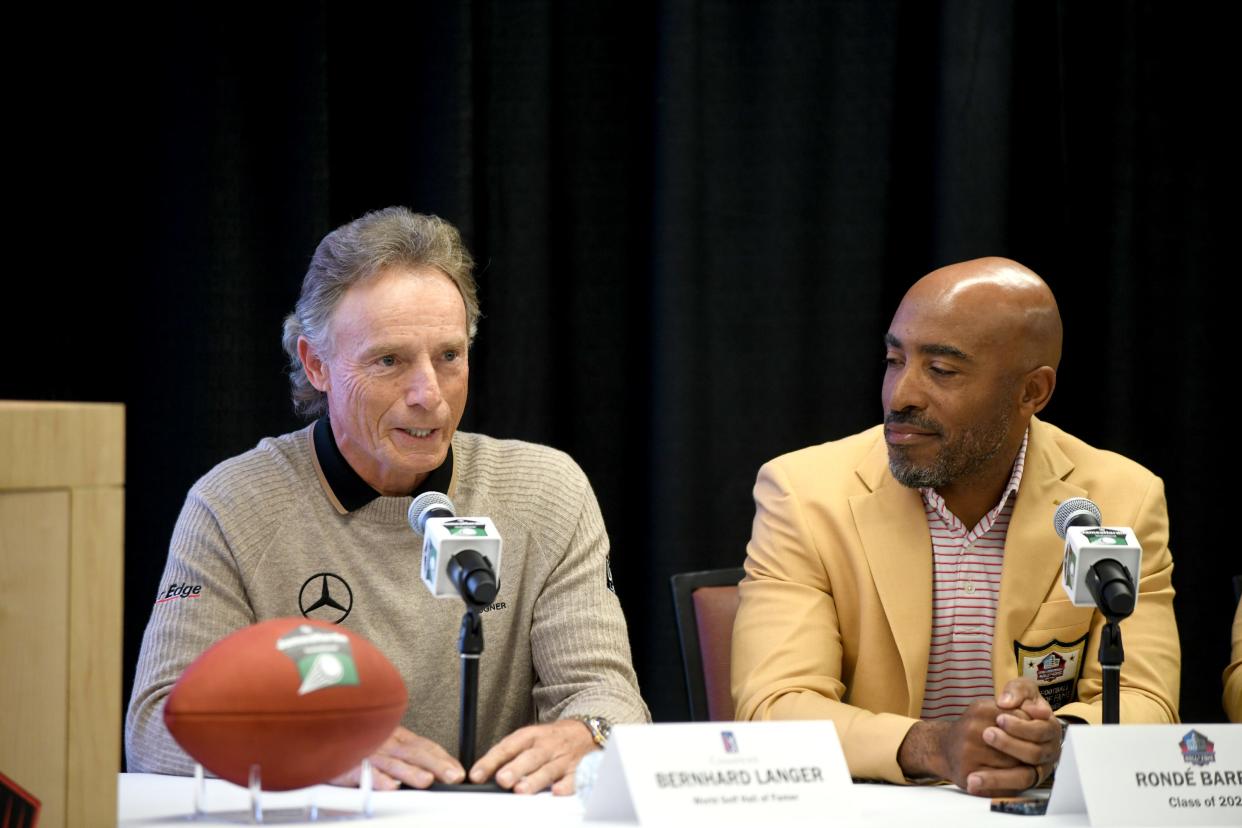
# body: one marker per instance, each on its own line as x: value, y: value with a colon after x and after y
x: 932, y: 499
x: 345, y: 488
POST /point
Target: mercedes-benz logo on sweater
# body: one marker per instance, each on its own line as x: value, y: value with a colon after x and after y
x: 326, y: 597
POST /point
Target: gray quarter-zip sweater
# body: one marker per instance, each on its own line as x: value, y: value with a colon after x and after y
x: 263, y: 533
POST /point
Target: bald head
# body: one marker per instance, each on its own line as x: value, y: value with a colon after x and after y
x: 972, y: 354
x: 999, y: 302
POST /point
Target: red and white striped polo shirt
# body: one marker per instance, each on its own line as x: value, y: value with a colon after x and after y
x: 965, y: 587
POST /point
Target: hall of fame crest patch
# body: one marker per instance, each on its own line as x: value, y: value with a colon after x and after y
x: 1054, y: 666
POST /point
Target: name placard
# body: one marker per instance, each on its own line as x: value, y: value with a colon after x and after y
x: 725, y: 772
x: 1187, y: 774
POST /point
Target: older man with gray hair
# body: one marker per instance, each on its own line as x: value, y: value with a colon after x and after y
x: 313, y: 523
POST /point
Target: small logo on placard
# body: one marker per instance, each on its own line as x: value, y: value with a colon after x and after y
x: 1197, y: 749
x: 729, y: 741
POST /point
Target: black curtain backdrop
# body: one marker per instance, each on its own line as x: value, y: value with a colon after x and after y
x: 694, y: 221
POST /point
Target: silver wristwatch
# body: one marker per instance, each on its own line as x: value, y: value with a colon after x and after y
x: 599, y: 727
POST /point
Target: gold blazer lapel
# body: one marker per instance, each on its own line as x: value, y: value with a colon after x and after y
x: 1032, y: 548
x: 896, y: 542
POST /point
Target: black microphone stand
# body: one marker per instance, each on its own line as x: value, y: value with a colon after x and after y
x: 470, y: 645
x: 472, y: 574
x: 1114, y: 593
x: 1111, y: 656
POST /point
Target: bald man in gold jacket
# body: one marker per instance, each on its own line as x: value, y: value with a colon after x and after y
x: 836, y: 607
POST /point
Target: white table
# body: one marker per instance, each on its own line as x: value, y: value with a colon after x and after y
x: 152, y: 800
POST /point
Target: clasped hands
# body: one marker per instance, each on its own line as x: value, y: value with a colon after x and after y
x: 995, y: 748
x: 528, y: 760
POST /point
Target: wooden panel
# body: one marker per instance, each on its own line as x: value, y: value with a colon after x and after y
x: 34, y: 612
x: 56, y: 445
x: 61, y: 553
x: 95, y: 590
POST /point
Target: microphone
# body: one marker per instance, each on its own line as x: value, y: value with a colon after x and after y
x: 428, y: 505
x: 1112, y: 588
x: 461, y: 556
x: 1102, y: 564
x: 474, y: 578
x: 1077, y: 511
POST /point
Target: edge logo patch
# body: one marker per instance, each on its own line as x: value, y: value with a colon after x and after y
x: 1054, y: 666
x: 324, y: 659
x: 176, y: 592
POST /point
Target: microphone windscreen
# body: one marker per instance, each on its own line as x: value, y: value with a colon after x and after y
x: 424, y: 505
x: 1076, y: 511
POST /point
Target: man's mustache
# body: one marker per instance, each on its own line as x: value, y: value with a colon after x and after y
x: 913, y: 418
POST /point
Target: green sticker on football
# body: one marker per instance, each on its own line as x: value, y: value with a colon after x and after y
x: 323, y: 658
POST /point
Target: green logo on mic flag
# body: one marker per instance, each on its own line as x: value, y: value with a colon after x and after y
x: 465, y: 527
x: 1105, y: 537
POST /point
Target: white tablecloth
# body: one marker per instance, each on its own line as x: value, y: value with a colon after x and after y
x: 153, y: 800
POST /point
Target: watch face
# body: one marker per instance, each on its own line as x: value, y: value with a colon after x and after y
x: 599, y: 728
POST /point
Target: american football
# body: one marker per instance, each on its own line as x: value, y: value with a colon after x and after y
x: 304, y: 700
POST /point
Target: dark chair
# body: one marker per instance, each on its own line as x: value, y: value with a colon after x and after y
x: 705, y: 603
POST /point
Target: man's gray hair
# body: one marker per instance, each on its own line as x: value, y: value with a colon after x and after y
x: 393, y: 237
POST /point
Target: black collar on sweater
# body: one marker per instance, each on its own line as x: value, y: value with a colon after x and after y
x: 350, y: 489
